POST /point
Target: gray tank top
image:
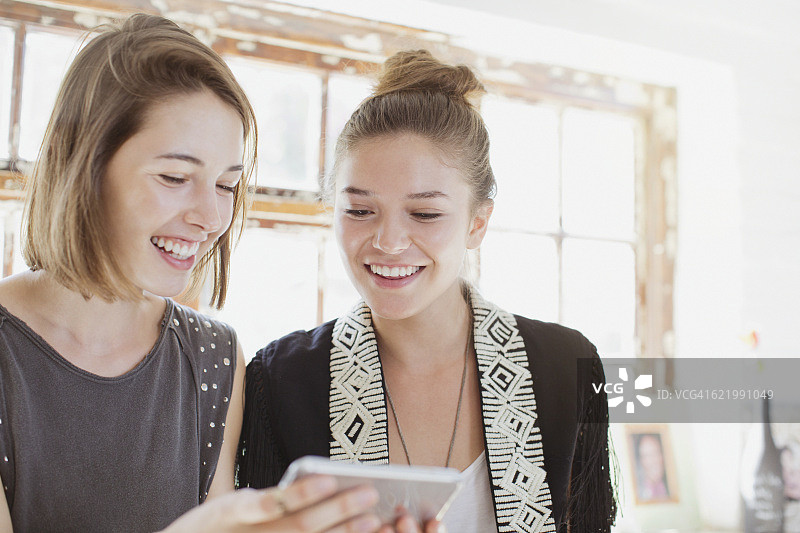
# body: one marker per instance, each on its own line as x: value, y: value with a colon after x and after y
x: 80, y: 452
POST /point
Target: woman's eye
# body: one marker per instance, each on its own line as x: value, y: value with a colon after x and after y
x: 227, y: 188
x: 357, y: 213
x: 426, y: 216
x: 175, y: 180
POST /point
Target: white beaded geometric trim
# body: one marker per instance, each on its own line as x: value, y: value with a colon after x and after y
x: 514, y: 450
x: 513, y: 440
x: 356, y: 399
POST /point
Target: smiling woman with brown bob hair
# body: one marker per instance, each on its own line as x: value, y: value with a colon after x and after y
x: 120, y: 410
x: 104, y: 101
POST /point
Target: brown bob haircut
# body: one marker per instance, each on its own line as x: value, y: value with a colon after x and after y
x: 103, y: 101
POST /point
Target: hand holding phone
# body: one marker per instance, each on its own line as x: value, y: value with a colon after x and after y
x: 423, y: 492
x: 311, y: 505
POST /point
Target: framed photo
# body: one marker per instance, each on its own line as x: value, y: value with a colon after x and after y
x: 653, y: 463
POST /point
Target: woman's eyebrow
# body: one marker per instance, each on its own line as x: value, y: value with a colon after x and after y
x: 195, y: 161
x: 413, y: 196
x: 427, y: 195
x: 356, y: 191
x: 182, y: 157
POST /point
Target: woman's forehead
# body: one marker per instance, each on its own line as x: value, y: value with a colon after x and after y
x: 408, y: 165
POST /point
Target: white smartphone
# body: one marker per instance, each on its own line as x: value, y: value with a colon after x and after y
x: 425, y: 492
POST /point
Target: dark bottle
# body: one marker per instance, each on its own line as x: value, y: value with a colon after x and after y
x: 762, y: 487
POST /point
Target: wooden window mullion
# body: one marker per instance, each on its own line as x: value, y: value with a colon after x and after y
x: 16, y: 95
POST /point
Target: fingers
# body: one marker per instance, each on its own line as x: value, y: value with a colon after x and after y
x: 234, y: 511
x: 313, y: 505
x: 361, y: 524
x: 434, y: 526
x: 247, y: 506
x: 406, y: 524
x: 343, y: 511
x: 250, y: 506
x: 272, y: 505
x: 307, y: 491
x: 309, y: 505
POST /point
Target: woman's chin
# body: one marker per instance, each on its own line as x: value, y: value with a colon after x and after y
x: 176, y: 291
x: 391, y: 308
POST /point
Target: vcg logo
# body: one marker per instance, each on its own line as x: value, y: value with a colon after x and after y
x: 622, y: 389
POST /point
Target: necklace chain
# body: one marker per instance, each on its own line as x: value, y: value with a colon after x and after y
x: 458, y: 409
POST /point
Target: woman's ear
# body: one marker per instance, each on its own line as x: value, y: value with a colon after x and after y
x: 479, y: 224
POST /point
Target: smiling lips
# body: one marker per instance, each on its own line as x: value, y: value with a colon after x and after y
x: 175, y: 249
x: 394, y: 272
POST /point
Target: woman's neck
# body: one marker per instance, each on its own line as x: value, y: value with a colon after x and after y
x: 80, y: 314
x: 95, y: 334
x: 437, y: 336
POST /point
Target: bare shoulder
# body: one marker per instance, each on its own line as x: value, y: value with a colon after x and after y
x: 15, y: 292
x: 16, y: 282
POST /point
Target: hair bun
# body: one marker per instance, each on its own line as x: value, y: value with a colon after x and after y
x: 418, y: 70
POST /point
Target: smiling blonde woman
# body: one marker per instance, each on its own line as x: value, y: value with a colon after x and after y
x: 120, y: 409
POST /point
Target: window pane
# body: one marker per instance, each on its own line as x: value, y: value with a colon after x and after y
x: 344, y: 95
x: 520, y: 274
x: 598, y: 174
x: 524, y: 154
x: 10, y: 223
x: 600, y: 294
x: 47, y: 56
x: 340, y: 295
x: 273, y: 286
x: 288, y: 106
x: 6, y: 73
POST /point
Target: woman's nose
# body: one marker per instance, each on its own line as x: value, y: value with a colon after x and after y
x: 204, y: 211
x: 391, y: 237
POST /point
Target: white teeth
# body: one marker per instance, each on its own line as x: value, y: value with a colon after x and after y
x: 394, y: 272
x: 176, y: 250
